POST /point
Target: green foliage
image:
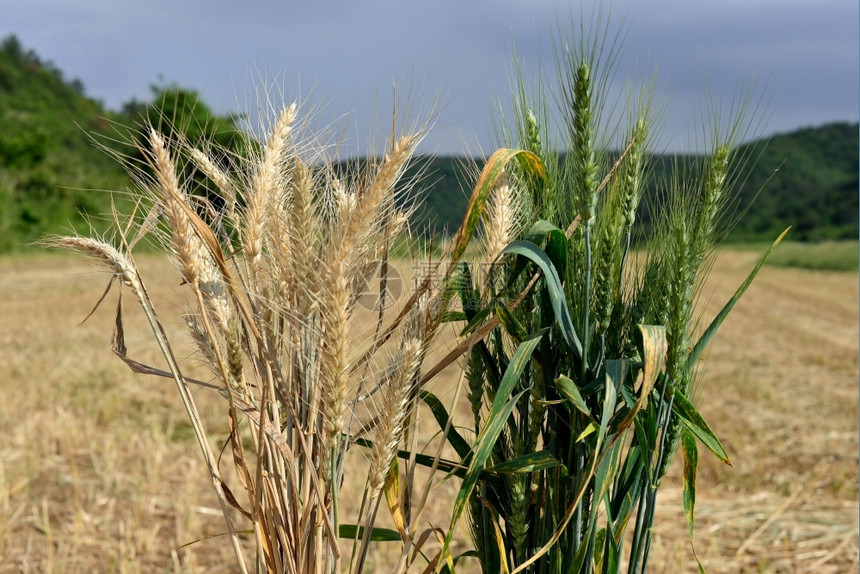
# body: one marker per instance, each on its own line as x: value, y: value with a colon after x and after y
x: 47, y: 163
x: 807, y: 179
x: 443, y: 198
x: 181, y: 112
x: 590, y: 355
x: 54, y: 172
x: 182, y: 115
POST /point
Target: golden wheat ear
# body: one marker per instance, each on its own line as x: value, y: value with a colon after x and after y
x: 266, y: 183
x: 102, y: 252
x: 275, y: 279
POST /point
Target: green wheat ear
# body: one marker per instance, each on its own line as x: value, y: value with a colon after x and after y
x: 609, y: 383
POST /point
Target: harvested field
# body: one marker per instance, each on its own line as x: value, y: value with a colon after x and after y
x: 780, y: 390
x: 99, y: 471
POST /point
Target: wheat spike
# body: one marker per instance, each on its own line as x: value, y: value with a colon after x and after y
x: 501, y: 224
x: 336, y: 315
x: 220, y: 178
x: 266, y: 178
x: 392, y: 412
x: 196, y: 264
x: 303, y: 226
x: 105, y: 253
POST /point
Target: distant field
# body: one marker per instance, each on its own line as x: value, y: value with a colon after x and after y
x: 825, y: 255
x: 99, y: 471
x: 820, y: 255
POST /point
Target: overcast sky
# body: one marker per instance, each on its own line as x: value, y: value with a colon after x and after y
x: 803, y: 53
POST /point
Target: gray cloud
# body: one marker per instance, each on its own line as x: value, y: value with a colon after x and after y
x: 804, y: 54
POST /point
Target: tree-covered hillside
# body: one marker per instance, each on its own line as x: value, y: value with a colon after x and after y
x: 807, y: 179
x: 49, y: 166
x: 56, y: 145
x: 47, y: 162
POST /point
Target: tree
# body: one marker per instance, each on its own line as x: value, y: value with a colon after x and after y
x: 175, y: 110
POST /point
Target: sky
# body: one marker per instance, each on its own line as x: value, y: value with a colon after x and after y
x: 798, y: 58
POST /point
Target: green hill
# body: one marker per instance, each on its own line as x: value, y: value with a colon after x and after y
x: 52, y: 174
x: 813, y: 185
x: 47, y: 161
x: 807, y: 179
x: 49, y: 166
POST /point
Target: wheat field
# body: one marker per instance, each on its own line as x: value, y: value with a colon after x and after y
x: 99, y: 471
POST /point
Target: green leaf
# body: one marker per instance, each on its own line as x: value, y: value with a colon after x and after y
x: 590, y: 429
x: 693, y: 421
x: 612, y: 549
x: 554, y: 243
x: 605, y: 475
x: 531, y: 462
x: 469, y: 298
x: 691, y: 465
x: 537, y: 235
x: 616, y: 371
x: 503, y: 405
x: 599, y: 541
x: 440, y: 413
x: 628, y: 488
x: 570, y: 392
x: 554, y: 287
x: 608, y: 469
x: 495, y: 166
x: 513, y: 327
x: 453, y: 316
x: 709, y: 333
x: 539, y: 230
x: 444, y: 465
x: 467, y: 554
x: 353, y: 532
x: 517, y: 365
x: 476, y: 321
x: 556, y: 249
